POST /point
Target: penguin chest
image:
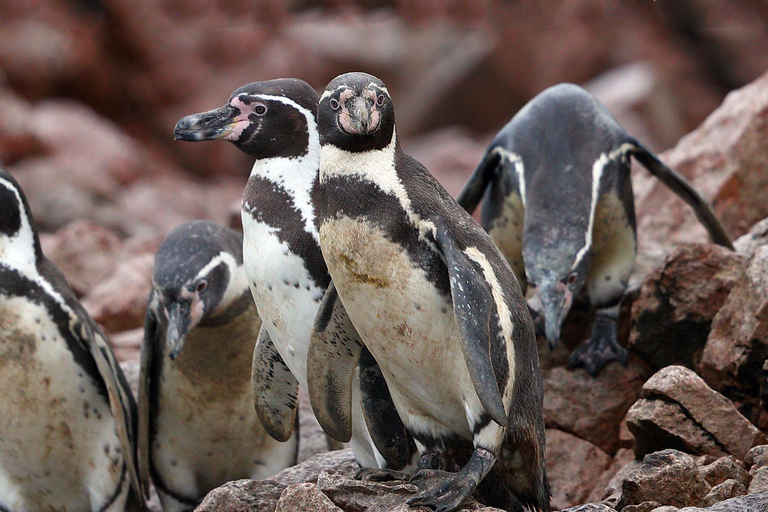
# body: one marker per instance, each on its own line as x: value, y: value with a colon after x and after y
x: 59, y: 448
x: 506, y: 231
x: 285, y: 294
x: 406, y: 323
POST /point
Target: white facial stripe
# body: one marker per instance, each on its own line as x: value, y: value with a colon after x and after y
x: 328, y: 93
x: 597, y: 174
x: 237, y: 279
x: 517, y: 163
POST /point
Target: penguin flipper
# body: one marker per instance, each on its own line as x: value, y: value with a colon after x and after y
x: 686, y: 192
x: 474, y: 188
x: 275, y: 389
x: 382, y: 419
x: 472, y: 306
x: 334, y: 351
x: 149, y: 352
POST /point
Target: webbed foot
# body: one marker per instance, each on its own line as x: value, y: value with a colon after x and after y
x: 603, y: 347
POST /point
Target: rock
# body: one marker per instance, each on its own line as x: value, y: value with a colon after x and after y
x: 759, y: 481
x: 666, y: 508
x: 757, y: 457
x: 645, y: 506
x: 757, y: 236
x: 305, y: 496
x: 680, y: 409
x: 312, y: 439
x: 609, y: 482
x: 589, y: 507
x: 243, y: 496
x: 592, y: 408
x: 669, y: 477
x: 723, y: 491
x: 737, y: 346
x: 356, y: 495
x: 671, y: 318
x: 120, y: 302
x: 573, y: 467
x: 127, y: 344
x: 725, y: 468
x: 753, y: 502
x: 339, y: 461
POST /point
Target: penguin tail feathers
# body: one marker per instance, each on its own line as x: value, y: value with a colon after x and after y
x: 686, y: 192
x: 474, y: 188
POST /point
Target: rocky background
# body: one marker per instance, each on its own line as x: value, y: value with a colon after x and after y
x: 90, y: 91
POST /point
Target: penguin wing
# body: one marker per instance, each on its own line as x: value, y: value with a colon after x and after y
x: 147, y: 378
x: 474, y: 188
x: 334, y: 351
x: 472, y: 307
x: 686, y: 192
x: 384, y: 424
x: 275, y: 389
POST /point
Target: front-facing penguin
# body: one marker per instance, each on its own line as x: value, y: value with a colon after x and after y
x: 68, y: 421
x: 420, y: 284
x: 274, y: 121
x: 559, y: 205
x: 198, y: 428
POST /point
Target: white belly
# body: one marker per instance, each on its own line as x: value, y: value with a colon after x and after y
x: 59, y: 448
x: 406, y: 324
x: 208, y: 432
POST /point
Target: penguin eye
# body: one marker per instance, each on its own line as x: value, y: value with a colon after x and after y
x: 334, y: 104
x: 380, y: 99
x: 202, y: 285
x: 260, y: 109
x: 571, y: 278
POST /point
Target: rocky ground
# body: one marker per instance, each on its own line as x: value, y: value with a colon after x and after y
x: 90, y: 91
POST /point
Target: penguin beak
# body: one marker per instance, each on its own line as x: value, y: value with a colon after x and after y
x: 179, y: 320
x: 358, y: 118
x: 555, y: 303
x: 212, y: 125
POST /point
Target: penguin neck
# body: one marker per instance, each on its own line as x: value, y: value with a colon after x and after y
x: 337, y: 162
x: 22, y: 250
x: 237, y: 285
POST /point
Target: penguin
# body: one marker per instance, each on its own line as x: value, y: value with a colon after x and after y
x: 68, y: 428
x: 419, y: 284
x: 197, y: 425
x: 274, y: 122
x: 558, y: 203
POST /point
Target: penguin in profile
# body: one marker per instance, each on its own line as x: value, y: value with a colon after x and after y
x: 274, y: 121
x: 68, y: 428
x: 420, y: 285
x: 198, y: 428
x: 558, y: 203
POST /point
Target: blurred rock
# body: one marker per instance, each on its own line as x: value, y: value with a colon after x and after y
x: 757, y: 236
x: 305, y: 496
x: 589, y: 507
x: 669, y: 477
x: 757, y: 457
x: 18, y: 139
x: 243, y: 496
x: 671, y: 318
x: 573, y: 467
x: 127, y: 344
x: 759, y: 481
x: 609, y: 482
x: 592, y: 407
x: 645, y: 506
x: 680, y: 411
x: 725, y: 468
x: 723, y: 491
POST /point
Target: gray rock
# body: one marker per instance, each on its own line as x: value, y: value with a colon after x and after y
x: 725, y: 468
x: 759, y: 481
x: 305, y: 496
x: 243, y: 496
x: 669, y: 477
x: 757, y: 457
x: 723, y: 491
x: 589, y: 507
x: 646, y: 506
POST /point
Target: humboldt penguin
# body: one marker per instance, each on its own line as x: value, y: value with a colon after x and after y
x: 197, y: 425
x: 420, y: 285
x: 558, y: 203
x: 68, y: 428
x: 274, y: 122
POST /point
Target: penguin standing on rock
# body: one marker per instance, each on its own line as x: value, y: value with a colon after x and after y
x: 68, y: 427
x: 198, y: 429
x: 559, y: 205
x: 274, y: 121
x: 420, y: 285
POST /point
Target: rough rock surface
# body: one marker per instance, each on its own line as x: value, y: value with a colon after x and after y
x: 668, y: 477
x: 573, y: 467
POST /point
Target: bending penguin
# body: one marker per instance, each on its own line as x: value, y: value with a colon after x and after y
x: 67, y: 437
x: 558, y: 203
x: 198, y: 428
x: 420, y: 285
x: 274, y: 121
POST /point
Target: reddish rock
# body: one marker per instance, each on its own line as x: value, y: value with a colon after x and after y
x: 573, y: 467
x: 339, y: 461
x: 671, y: 318
x: 305, y: 496
x: 592, y: 408
x: 723, y: 491
x: 646, y: 506
x: 759, y: 481
x: 725, y: 468
x: 609, y: 482
x: 243, y: 496
x: 757, y: 457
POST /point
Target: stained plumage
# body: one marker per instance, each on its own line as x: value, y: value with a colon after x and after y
x: 558, y: 203
x: 67, y: 438
x: 274, y: 121
x: 198, y: 427
x: 420, y: 285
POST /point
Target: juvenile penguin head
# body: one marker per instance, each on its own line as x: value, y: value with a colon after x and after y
x: 356, y: 113
x: 556, y: 269
x: 198, y: 274
x: 263, y: 119
x: 19, y: 243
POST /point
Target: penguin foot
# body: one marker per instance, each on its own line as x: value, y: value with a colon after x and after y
x: 451, y: 491
x: 380, y: 475
x: 601, y: 349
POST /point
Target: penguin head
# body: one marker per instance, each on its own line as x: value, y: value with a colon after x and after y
x: 19, y: 243
x: 198, y: 274
x: 356, y: 113
x: 263, y: 119
x: 556, y: 269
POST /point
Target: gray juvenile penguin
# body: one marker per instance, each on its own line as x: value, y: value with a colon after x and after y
x: 419, y: 284
x: 274, y: 121
x: 198, y: 428
x: 68, y: 428
x: 559, y: 204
